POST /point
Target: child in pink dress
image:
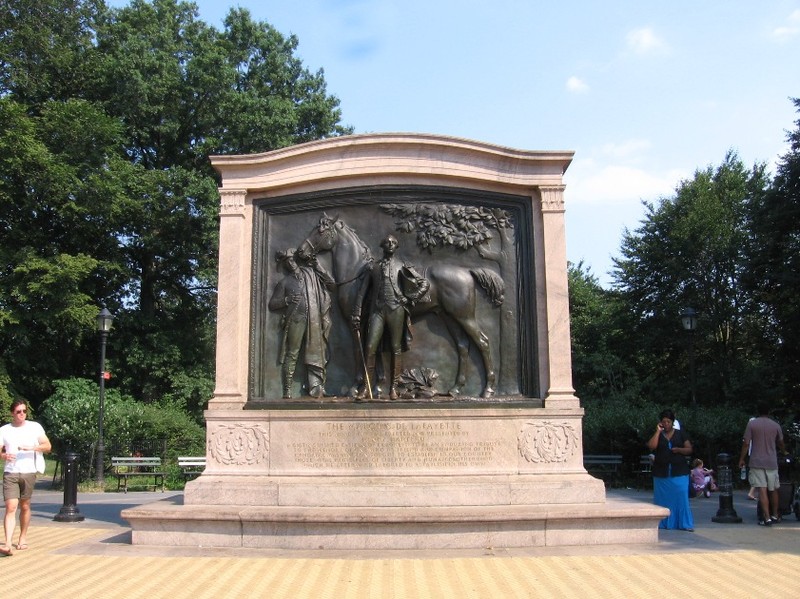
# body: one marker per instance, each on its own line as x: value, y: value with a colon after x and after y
x: 702, y: 479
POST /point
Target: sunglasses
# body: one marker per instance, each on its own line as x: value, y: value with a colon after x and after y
x: 20, y: 411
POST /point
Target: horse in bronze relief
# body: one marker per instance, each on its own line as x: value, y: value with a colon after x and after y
x: 452, y: 293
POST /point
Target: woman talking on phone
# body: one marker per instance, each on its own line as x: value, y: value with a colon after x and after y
x: 671, y: 472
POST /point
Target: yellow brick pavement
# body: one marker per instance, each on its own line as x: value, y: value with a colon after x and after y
x: 77, y: 562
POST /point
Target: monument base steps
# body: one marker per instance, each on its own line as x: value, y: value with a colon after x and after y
x: 460, y: 527
x: 394, y: 491
x: 427, y: 478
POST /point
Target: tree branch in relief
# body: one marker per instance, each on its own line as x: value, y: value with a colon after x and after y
x: 462, y: 227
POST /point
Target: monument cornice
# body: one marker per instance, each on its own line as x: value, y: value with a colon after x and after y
x: 406, y: 155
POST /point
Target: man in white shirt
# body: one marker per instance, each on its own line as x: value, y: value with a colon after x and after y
x: 20, y: 440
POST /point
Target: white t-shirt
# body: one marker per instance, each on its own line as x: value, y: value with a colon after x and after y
x: 12, y: 437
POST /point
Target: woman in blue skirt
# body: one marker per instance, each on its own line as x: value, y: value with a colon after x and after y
x: 671, y: 472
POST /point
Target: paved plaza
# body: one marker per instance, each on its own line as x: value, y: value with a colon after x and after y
x: 94, y: 558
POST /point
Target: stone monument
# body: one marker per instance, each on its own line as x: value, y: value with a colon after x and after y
x: 393, y: 357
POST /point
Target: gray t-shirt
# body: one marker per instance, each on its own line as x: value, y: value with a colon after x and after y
x: 763, y: 433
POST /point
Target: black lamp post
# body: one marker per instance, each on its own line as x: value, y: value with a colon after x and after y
x: 689, y: 321
x: 104, y: 320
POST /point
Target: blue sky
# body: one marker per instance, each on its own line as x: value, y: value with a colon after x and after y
x: 645, y: 93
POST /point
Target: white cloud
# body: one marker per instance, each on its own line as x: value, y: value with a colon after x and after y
x: 618, y: 185
x: 576, y: 85
x: 630, y: 148
x: 790, y: 30
x: 644, y: 41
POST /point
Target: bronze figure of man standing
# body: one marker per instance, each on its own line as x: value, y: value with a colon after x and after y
x: 304, y: 295
x: 394, y: 287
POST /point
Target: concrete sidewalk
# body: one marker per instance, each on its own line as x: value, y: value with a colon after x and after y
x: 94, y: 558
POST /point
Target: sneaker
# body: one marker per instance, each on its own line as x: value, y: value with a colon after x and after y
x: 708, y: 493
x: 765, y: 522
x: 775, y: 520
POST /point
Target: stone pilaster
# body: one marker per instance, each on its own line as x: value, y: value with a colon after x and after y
x: 560, y: 393
x: 233, y: 307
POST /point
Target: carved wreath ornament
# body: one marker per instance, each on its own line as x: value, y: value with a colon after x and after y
x: 240, y: 445
x: 547, y: 441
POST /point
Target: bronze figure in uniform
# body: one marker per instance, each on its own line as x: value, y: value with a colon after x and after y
x: 393, y: 287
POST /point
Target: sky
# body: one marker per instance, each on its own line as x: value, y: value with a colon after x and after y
x: 644, y: 93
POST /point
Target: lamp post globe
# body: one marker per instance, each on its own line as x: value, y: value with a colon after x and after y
x: 689, y: 319
x: 104, y: 322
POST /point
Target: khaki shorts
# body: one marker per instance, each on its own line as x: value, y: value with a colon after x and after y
x: 18, y: 486
x: 764, y: 477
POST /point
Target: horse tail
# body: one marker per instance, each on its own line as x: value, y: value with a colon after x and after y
x: 492, y: 284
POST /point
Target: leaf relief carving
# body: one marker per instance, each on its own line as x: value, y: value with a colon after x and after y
x: 547, y: 441
x: 239, y: 444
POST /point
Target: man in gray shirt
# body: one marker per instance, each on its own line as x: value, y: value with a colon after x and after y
x: 766, y: 437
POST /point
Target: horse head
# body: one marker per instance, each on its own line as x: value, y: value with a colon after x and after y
x: 322, y: 237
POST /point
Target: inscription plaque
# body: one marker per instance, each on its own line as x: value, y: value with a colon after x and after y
x: 409, y: 447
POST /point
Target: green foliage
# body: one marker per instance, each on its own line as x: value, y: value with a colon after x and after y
x: 600, y: 364
x: 688, y: 251
x: 70, y: 414
x: 621, y: 427
x: 725, y: 244
x: 7, y: 394
x: 715, y: 429
x: 773, y: 274
x: 46, y: 47
x: 170, y: 422
x: 70, y: 419
x: 617, y: 426
x: 54, y: 242
x: 107, y: 196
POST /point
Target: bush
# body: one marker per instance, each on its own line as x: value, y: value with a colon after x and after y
x: 714, y: 430
x: 70, y: 414
x: 165, y: 420
x: 620, y: 427
x: 70, y: 420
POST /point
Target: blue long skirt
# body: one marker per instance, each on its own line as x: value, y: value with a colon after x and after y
x: 672, y: 492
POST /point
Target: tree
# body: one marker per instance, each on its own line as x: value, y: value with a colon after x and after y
x: 773, y: 270
x: 55, y: 251
x: 108, y: 194
x: 47, y: 48
x: 601, y: 365
x: 689, y: 251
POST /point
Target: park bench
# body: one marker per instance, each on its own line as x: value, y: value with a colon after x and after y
x: 191, y: 466
x: 603, y: 465
x: 127, y: 467
x: 644, y: 472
